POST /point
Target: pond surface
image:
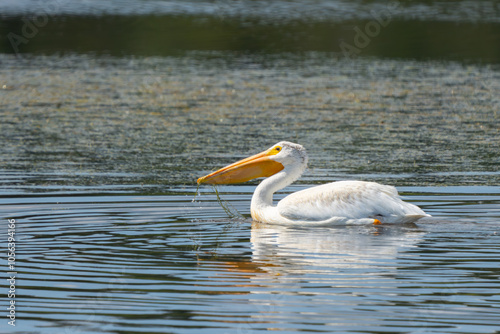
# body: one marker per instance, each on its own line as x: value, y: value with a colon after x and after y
x: 99, y: 162
x: 111, y: 110
x: 139, y: 263
x: 458, y: 30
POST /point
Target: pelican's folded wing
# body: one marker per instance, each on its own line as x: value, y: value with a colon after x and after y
x: 349, y: 199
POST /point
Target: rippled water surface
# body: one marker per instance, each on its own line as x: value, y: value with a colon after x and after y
x: 139, y: 263
x: 112, y: 110
x: 99, y: 161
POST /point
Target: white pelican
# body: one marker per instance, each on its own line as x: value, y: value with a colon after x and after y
x: 343, y: 202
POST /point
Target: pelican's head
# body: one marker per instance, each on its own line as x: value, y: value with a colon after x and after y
x: 281, y: 156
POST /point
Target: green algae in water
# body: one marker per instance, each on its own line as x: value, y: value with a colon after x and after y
x: 228, y: 208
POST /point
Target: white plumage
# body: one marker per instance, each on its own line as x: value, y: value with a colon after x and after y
x: 348, y: 200
x: 343, y: 202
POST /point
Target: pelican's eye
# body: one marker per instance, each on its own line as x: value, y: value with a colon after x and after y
x: 275, y: 150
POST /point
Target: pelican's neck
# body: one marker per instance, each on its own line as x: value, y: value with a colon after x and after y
x: 262, y: 199
x: 263, y: 195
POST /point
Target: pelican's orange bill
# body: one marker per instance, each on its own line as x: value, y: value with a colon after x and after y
x: 259, y: 165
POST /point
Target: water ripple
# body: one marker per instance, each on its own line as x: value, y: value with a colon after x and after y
x: 145, y: 263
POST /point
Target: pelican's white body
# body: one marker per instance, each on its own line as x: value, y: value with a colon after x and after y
x: 343, y: 202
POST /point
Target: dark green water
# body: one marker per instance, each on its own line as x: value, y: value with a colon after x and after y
x: 453, y: 30
x: 111, y: 111
x: 176, y: 35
